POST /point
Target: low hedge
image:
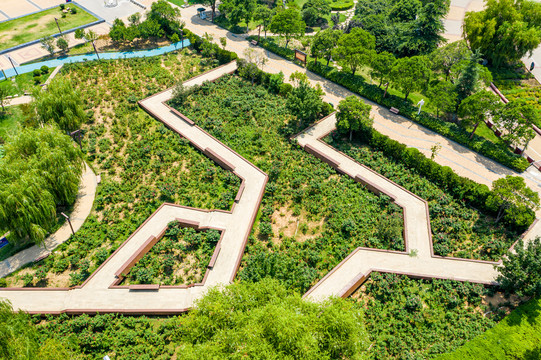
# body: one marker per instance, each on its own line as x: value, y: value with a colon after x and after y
x: 516, y: 337
x: 459, y: 187
x: 223, y: 56
x: 450, y: 130
x: 341, y: 6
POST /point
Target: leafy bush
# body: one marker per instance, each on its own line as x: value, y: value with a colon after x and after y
x: 223, y: 56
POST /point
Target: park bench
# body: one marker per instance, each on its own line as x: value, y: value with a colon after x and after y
x: 394, y: 110
x: 253, y: 42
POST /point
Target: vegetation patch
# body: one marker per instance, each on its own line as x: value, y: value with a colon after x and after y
x: 180, y: 257
x: 141, y: 162
x: 42, y: 24
x: 457, y: 229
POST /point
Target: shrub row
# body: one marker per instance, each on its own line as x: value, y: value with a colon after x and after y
x: 450, y: 130
x: 459, y: 187
x: 373, y: 92
x: 341, y: 6
x: 223, y: 56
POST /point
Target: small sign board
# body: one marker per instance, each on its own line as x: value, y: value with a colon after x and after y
x: 301, y: 56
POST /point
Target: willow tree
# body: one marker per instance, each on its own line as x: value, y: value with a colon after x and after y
x: 60, y: 104
x: 41, y: 169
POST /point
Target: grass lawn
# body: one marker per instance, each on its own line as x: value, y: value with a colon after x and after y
x: 9, y: 120
x: 39, y: 25
x: 518, y: 336
x: 26, y: 82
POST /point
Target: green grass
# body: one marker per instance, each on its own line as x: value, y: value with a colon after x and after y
x: 39, y: 25
x: 9, y: 120
x: 26, y: 82
x: 518, y: 336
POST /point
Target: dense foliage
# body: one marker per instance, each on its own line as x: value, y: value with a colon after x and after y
x: 457, y: 229
x: 518, y: 336
x: 40, y: 170
x: 180, y: 257
x: 521, y: 270
x: 403, y: 27
x: 417, y: 319
x: 142, y: 163
x: 255, y: 123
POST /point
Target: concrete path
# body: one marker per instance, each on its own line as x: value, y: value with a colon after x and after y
x: 81, y: 210
x: 101, y: 293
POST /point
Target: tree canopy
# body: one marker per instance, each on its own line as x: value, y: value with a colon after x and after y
x: 515, y: 120
x: 288, y: 23
x: 355, y: 49
x: 410, y: 74
x: 521, y: 270
x: 353, y: 114
x: 305, y: 102
x: 40, y: 169
x: 324, y: 43
x: 505, y: 31
x: 478, y: 107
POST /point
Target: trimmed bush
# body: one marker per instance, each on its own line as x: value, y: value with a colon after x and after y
x: 223, y: 56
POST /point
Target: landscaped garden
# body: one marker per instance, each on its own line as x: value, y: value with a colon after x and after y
x: 41, y: 24
x: 181, y: 257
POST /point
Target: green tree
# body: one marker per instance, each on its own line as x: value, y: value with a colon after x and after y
x: 477, y: 108
x: 288, y: 23
x: 353, y: 114
x: 263, y: 17
x: 118, y: 31
x: 410, y: 74
x: 442, y: 94
x: 429, y: 27
x: 355, y: 49
x: 512, y: 199
x: 382, y: 64
x: 60, y: 104
x: 324, y: 43
x: 40, y: 169
x: 505, y: 31
x: 6, y: 89
x: 167, y: 16
x: 468, y: 81
x: 313, y: 10
x: 62, y: 44
x: 238, y: 10
x: 263, y: 320
x: 515, y: 120
x: 48, y: 44
x: 304, y: 102
x: 521, y: 270
x: 446, y: 56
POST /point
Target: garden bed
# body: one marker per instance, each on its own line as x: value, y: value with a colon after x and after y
x: 180, y: 257
x: 311, y: 218
x: 142, y: 163
x: 458, y: 230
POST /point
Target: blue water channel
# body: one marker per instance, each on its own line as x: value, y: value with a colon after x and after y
x: 23, y: 69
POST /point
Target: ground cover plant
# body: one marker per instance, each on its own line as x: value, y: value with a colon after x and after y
x: 457, y: 229
x: 180, y: 257
x: 516, y: 337
x: 41, y: 24
x: 418, y: 319
x: 296, y: 239
x: 142, y: 163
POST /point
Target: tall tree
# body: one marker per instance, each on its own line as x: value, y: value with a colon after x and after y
x: 6, y: 89
x: 505, y: 31
x: 446, y: 56
x: 353, y: 114
x: 166, y: 15
x: 521, y: 270
x: 355, y: 49
x: 428, y: 26
x: 516, y: 122
x: 212, y: 4
x: 477, y: 108
x: 263, y: 17
x: 118, y: 31
x: 313, y: 10
x: 410, y: 74
x: 511, y: 198
x: 60, y: 104
x: 288, y: 23
x: 304, y: 102
x: 382, y: 64
x: 48, y: 44
x: 442, y: 94
x: 324, y: 43
x: 238, y: 10
x: 468, y: 81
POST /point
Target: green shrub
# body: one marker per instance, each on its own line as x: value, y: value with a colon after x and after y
x: 341, y: 6
x: 44, y: 69
x: 223, y: 56
x: 36, y: 73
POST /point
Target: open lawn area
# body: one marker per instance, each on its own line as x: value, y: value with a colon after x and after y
x: 41, y: 24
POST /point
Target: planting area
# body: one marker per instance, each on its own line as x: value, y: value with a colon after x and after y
x: 181, y: 257
x: 41, y: 24
x: 457, y: 229
x: 142, y: 164
x: 311, y: 218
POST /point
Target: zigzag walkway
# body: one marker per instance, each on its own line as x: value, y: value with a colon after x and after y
x: 418, y: 260
x: 101, y: 292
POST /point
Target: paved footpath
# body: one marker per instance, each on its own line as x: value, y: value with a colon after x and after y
x: 101, y: 292
x: 81, y: 210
